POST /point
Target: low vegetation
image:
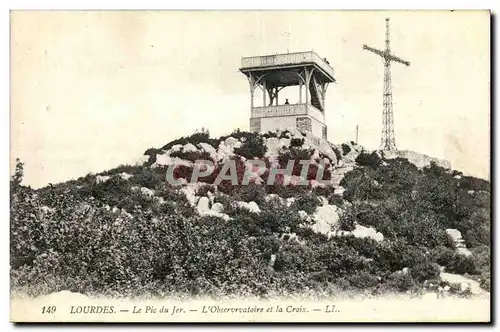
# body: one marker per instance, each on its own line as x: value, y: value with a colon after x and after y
x: 113, y: 238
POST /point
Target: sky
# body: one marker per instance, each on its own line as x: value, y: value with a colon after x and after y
x: 91, y: 90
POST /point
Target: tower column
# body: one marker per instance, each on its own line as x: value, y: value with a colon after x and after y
x: 300, y: 92
x: 306, y: 74
x: 264, y: 92
x: 252, y: 89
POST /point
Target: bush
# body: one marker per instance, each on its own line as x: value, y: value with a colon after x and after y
x: 294, y: 153
x: 472, y: 183
x: 443, y: 255
x: 482, y: 259
x: 250, y: 192
x: 146, y: 177
x: 311, y: 236
x: 112, y: 191
x: 347, y: 220
x: 398, y: 254
x: 361, y: 189
x: 425, y: 271
x: 485, y: 282
x: 336, y: 200
x: 337, y: 152
x: 345, y: 149
x: 341, y: 260
x: 293, y: 257
x: 477, y: 228
x: 296, y: 142
x: 307, y: 203
x: 129, y: 169
x: 285, y: 134
x: 371, y: 160
x: 192, y: 155
x: 253, y: 147
x: 270, y: 134
x: 287, y: 191
x: 401, y: 282
x: 17, y: 177
x: 362, y: 280
x: 202, y: 136
x: 152, y: 152
x: 325, y: 191
x: 453, y: 261
x: 204, y: 190
x: 461, y: 264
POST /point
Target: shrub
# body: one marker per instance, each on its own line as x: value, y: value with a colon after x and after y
x: 147, y: 177
x: 401, y: 282
x: 17, y: 177
x: 362, y: 280
x: 477, y: 228
x: 485, y: 282
x: 398, y: 254
x: 425, y: 271
x: 461, y: 264
x: 361, y: 189
x: 443, y: 255
x: 286, y: 191
x: 336, y: 200
x: 347, y: 220
x: 204, y: 190
x: 365, y: 247
x: 371, y: 160
x: 112, y: 191
x: 337, y: 152
x: 340, y: 260
x: 294, y: 153
x: 296, y: 142
x: 311, y: 236
x: 472, y: 183
x: 152, y: 152
x: 251, y: 192
x: 325, y: 191
x: 482, y: 259
x: 192, y: 155
x: 453, y: 261
x: 202, y: 136
x: 294, y: 257
x: 307, y: 203
x: 285, y: 134
x: 270, y: 134
x: 253, y: 147
x: 345, y: 149
x: 129, y: 169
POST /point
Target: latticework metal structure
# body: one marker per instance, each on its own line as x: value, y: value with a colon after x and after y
x: 388, y: 139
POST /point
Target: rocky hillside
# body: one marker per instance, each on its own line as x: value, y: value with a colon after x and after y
x: 378, y: 222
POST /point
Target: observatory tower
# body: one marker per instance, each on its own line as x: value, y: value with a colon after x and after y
x: 271, y: 73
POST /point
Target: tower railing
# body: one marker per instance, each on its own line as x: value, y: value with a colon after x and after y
x: 286, y: 59
x: 287, y: 110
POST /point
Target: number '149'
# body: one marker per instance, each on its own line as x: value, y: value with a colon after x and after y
x: 48, y: 309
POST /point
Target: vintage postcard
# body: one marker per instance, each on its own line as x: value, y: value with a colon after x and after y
x: 250, y: 166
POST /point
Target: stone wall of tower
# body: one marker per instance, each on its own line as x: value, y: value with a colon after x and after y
x: 301, y: 122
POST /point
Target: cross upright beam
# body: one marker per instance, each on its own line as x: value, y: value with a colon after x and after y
x: 388, y: 140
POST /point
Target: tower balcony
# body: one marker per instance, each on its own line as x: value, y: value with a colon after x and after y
x: 287, y: 110
x: 287, y: 60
